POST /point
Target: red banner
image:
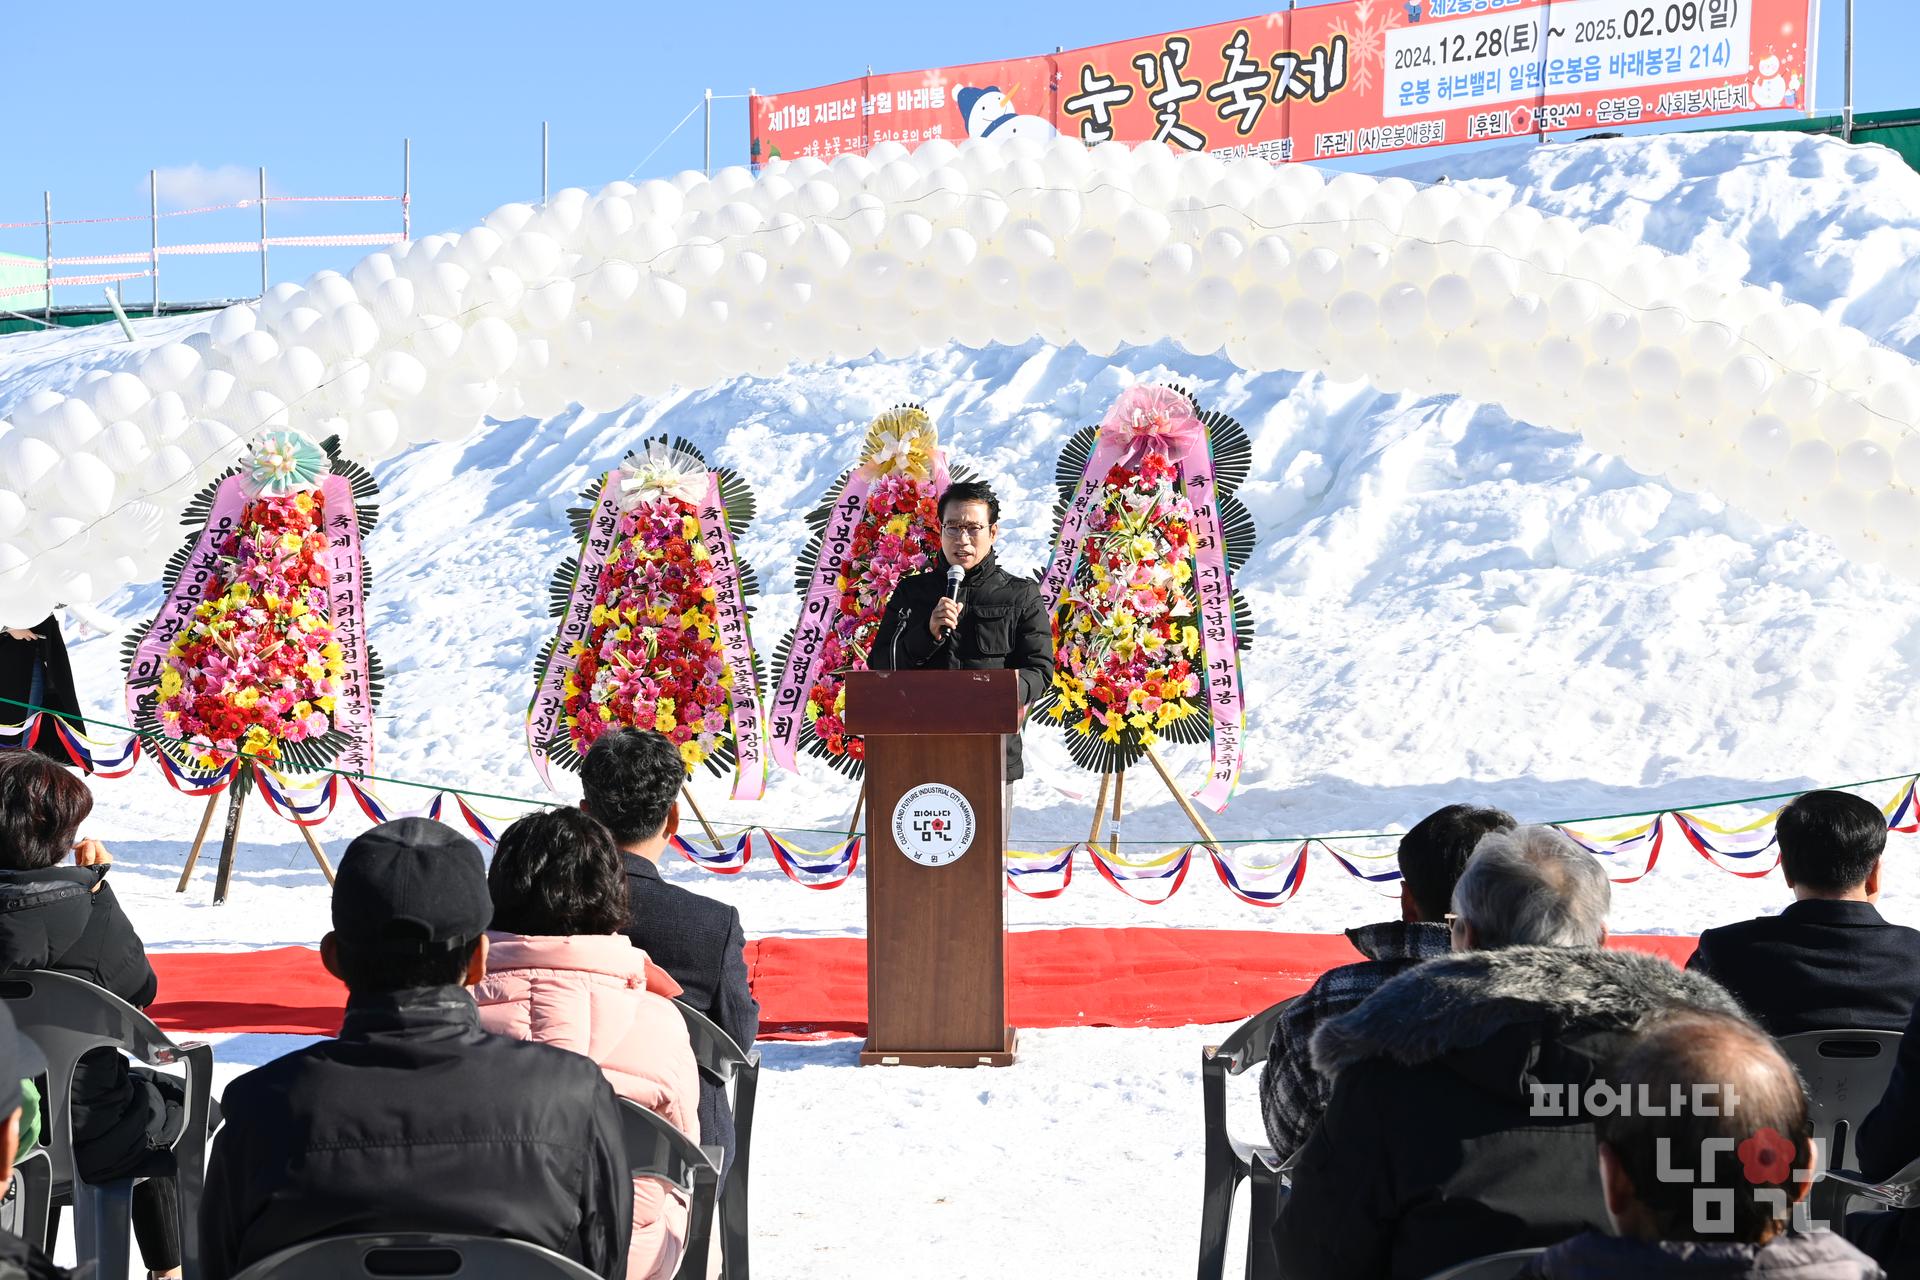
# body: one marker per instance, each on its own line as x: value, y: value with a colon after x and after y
x: 1357, y: 78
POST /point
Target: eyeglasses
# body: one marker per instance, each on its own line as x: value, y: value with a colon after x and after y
x: 968, y: 532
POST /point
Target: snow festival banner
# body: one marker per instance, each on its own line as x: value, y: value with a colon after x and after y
x: 1359, y: 78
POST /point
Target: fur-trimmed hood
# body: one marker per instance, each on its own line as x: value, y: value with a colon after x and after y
x: 1464, y: 1000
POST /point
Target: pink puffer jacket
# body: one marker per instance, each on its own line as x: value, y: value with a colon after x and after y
x: 601, y: 997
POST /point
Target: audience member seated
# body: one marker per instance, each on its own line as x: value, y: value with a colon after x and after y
x: 415, y: 1119
x: 1887, y: 1141
x: 1293, y: 1096
x: 560, y: 971
x: 1452, y: 1130
x: 20, y: 1060
x: 1702, y: 1167
x: 631, y: 781
x: 1828, y: 960
x: 65, y: 918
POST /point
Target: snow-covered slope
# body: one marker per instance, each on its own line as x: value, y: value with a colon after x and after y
x: 1451, y: 604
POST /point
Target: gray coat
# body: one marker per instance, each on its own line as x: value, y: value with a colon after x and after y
x: 1592, y: 1256
x: 1440, y: 1143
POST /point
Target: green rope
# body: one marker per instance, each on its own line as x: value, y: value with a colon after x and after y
x: 834, y: 831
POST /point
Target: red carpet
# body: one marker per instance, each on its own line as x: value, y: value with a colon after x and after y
x: 813, y: 986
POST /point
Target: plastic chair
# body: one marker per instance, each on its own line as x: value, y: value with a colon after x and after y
x: 1846, y: 1072
x: 722, y: 1060
x: 1229, y: 1160
x: 1901, y: 1191
x: 29, y: 1199
x: 416, y: 1254
x: 1495, y: 1266
x: 655, y: 1149
x: 69, y: 1017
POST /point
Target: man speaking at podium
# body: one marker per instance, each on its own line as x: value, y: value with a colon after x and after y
x: 969, y: 614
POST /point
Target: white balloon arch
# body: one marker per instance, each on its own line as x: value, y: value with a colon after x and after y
x: 597, y: 298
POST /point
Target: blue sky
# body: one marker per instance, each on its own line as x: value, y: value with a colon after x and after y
x: 322, y: 95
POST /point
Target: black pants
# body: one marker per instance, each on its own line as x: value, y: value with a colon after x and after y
x: 128, y: 1119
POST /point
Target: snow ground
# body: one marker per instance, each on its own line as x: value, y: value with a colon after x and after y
x: 1452, y: 605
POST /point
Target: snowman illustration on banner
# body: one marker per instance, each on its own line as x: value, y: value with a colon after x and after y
x: 1770, y: 90
x: 990, y: 113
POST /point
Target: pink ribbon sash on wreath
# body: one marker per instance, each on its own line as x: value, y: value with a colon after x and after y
x: 546, y: 715
x: 817, y: 617
x: 1161, y: 420
x: 736, y: 643
x: 176, y: 614
x: 819, y: 614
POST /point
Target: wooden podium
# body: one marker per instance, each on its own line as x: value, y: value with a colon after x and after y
x: 936, y: 900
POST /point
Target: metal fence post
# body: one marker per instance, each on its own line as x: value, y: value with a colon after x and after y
x: 153, y: 251
x: 47, y: 206
x: 263, y: 231
x: 1846, y: 108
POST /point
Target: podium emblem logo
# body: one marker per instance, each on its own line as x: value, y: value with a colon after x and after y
x: 933, y: 824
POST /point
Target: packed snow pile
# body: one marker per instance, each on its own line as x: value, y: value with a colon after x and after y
x: 1451, y: 604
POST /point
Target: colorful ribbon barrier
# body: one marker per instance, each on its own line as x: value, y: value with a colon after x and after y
x: 831, y: 867
x: 309, y: 801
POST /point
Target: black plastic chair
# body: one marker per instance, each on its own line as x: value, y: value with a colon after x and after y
x: 1229, y: 1160
x: 424, y: 1255
x: 655, y: 1149
x: 1846, y: 1072
x: 1495, y: 1266
x: 69, y: 1017
x: 723, y: 1061
x: 29, y: 1200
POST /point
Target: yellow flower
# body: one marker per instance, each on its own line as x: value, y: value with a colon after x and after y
x: 1182, y: 571
x: 170, y: 682
x: 691, y: 752
x: 303, y: 501
x: 325, y: 704
x: 291, y: 542
x: 246, y: 698
x: 302, y: 709
x: 689, y: 528
x: 598, y: 617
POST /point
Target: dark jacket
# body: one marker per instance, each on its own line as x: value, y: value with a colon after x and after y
x: 417, y: 1120
x: 1887, y: 1140
x: 18, y: 658
x: 1442, y: 1141
x: 1004, y: 625
x: 1593, y: 1256
x: 22, y: 1261
x: 1293, y: 1096
x: 1817, y: 966
x: 699, y: 941
x: 67, y: 919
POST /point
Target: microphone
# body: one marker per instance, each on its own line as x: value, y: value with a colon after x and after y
x: 955, y: 575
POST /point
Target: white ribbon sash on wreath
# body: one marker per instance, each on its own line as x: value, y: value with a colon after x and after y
x: 1124, y: 437
x: 347, y: 610
x: 546, y: 715
x: 736, y: 643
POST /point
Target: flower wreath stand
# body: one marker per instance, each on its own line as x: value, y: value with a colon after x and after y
x: 1147, y: 625
x: 653, y: 622
x: 258, y: 659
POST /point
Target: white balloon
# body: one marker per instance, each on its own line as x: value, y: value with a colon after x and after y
x: 228, y: 325
x: 1811, y: 463
x: 1320, y: 272
x: 1450, y: 302
x: 399, y: 375
x: 118, y: 395
x: 533, y: 255
x: 393, y: 302
x: 1655, y: 371
x: 1352, y: 313
x: 490, y: 346
x: 122, y: 446
x: 1843, y: 419
x: 1866, y: 466
x: 83, y: 484
x: 1743, y: 382
x: 548, y: 303
x: 1766, y: 440
x: 378, y: 433
x: 75, y: 425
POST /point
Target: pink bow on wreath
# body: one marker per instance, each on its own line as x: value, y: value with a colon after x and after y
x: 1153, y: 418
